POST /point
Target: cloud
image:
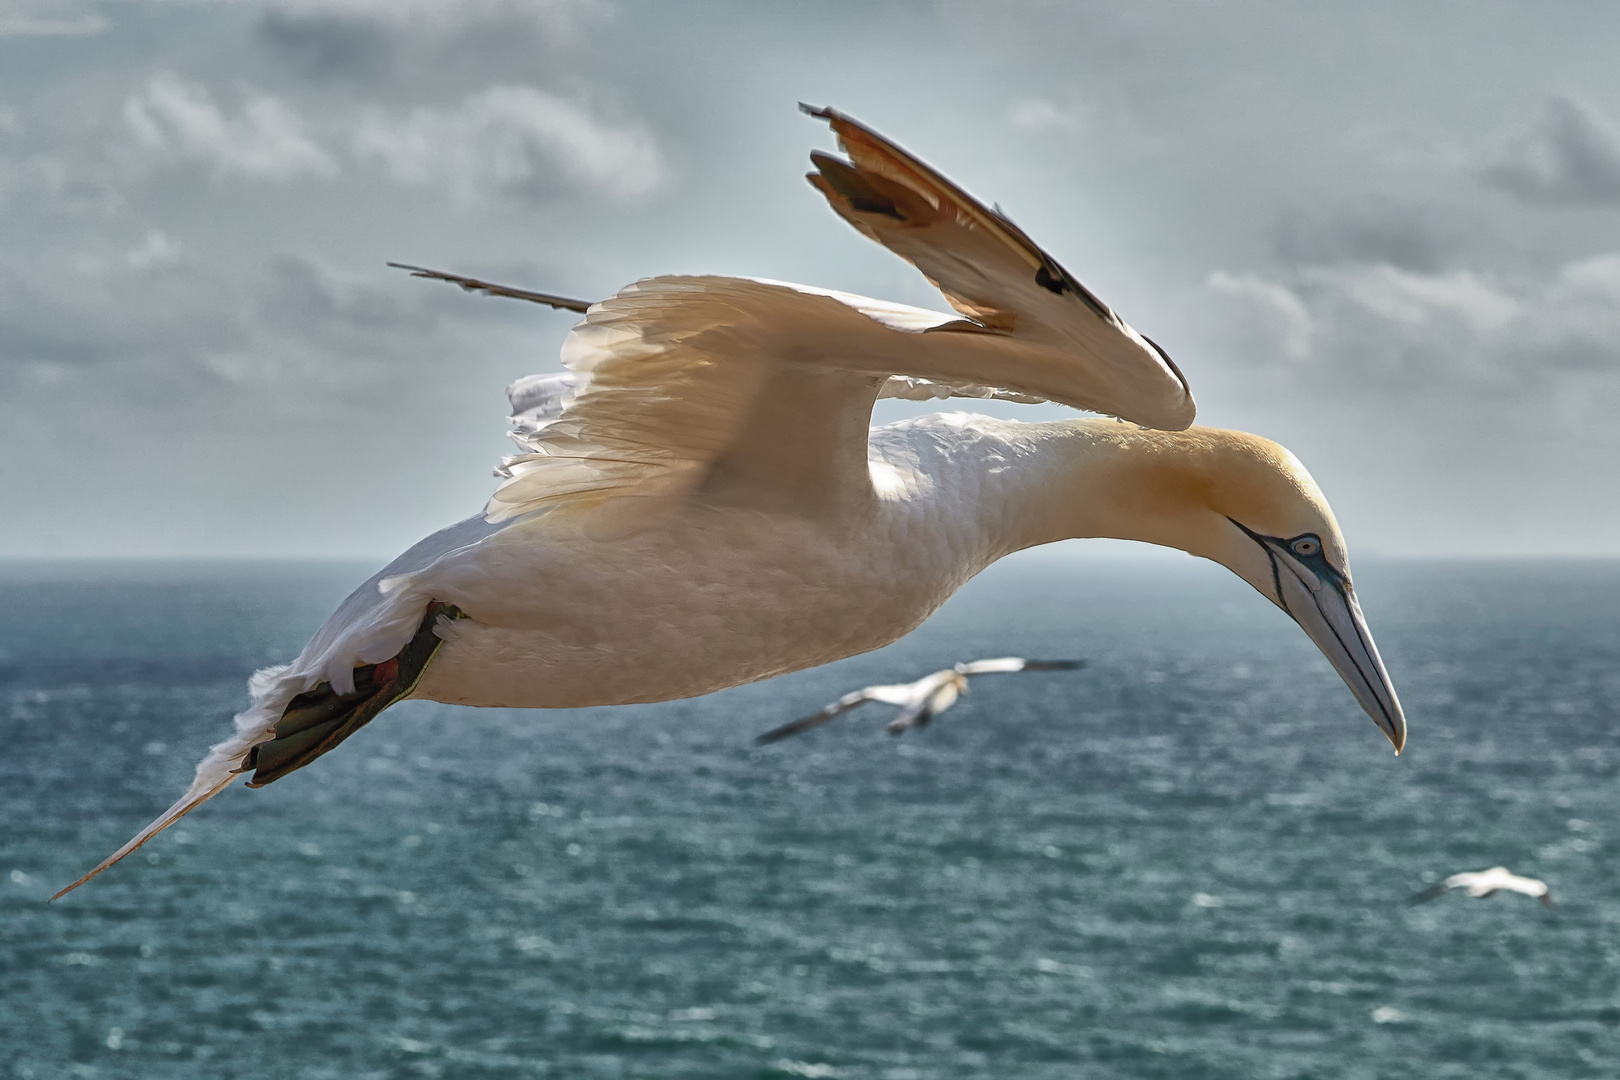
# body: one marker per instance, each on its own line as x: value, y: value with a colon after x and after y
x: 1371, y: 230
x: 514, y: 140
x: 1376, y: 329
x: 1270, y: 311
x: 1413, y: 299
x: 155, y: 251
x: 265, y: 140
x: 1570, y: 154
x: 559, y: 16
x: 365, y: 40
x: 144, y: 325
x: 25, y: 24
x: 1038, y: 114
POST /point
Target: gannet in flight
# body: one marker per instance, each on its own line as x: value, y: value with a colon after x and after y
x: 700, y: 500
x: 919, y: 701
x: 1483, y: 883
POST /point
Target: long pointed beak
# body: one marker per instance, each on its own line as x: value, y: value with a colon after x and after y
x: 1328, y: 611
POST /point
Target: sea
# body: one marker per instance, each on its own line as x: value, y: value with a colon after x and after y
x: 1190, y: 859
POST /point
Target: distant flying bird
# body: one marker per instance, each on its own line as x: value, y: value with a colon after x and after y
x: 1483, y: 883
x: 700, y: 501
x: 922, y: 700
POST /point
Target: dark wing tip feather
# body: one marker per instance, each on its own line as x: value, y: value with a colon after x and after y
x: 777, y: 734
x: 907, y: 170
x: 1426, y: 895
x: 1053, y: 665
x: 470, y: 284
x: 802, y: 724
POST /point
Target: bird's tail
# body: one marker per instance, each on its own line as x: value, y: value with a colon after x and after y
x: 288, y: 726
x: 271, y: 689
x: 316, y: 721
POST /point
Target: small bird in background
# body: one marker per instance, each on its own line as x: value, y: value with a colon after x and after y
x: 1483, y: 883
x: 922, y: 700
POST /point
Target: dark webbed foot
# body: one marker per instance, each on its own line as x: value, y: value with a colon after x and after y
x: 318, y: 720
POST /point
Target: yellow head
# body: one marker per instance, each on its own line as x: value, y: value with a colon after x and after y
x: 1248, y: 504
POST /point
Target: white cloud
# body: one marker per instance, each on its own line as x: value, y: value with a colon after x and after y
x: 512, y: 139
x: 438, y: 15
x: 1570, y: 154
x: 1273, y: 313
x: 1038, y: 114
x: 1597, y: 277
x: 1379, y: 328
x: 15, y: 24
x: 415, y: 42
x: 1403, y: 296
x: 265, y: 140
x: 155, y: 251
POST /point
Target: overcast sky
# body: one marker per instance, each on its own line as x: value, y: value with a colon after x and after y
x: 1386, y: 235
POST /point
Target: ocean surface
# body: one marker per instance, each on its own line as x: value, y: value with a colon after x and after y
x: 1190, y: 859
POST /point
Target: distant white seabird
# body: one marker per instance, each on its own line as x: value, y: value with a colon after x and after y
x: 922, y: 700
x: 700, y: 500
x: 1483, y: 883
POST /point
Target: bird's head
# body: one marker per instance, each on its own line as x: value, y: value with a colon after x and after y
x: 1248, y: 504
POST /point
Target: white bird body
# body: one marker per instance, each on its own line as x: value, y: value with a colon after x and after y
x: 721, y: 595
x: 1480, y: 884
x: 717, y: 595
x: 701, y: 501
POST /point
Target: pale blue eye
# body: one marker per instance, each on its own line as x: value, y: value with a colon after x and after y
x: 1306, y: 546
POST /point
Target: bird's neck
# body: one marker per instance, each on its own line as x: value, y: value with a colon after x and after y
x: 1104, y: 479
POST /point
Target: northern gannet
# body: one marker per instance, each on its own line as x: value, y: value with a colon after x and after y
x: 919, y: 701
x: 700, y: 500
x: 1483, y: 883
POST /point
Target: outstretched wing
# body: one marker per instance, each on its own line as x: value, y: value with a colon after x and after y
x: 842, y: 705
x: 470, y: 284
x: 908, y: 695
x: 1007, y: 664
x: 760, y: 392
x: 757, y: 391
x: 1432, y: 893
x: 989, y: 268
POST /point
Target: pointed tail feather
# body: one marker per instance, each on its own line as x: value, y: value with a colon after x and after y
x: 193, y: 798
x: 291, y: 724
x: 272, y: 688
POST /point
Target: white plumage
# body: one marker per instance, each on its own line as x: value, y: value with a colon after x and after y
x: 1486, y: 883
x: 698, y: 500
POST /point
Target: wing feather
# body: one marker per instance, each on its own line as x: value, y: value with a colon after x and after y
x: 987, y: 267
x: 761, y: 391
x: 842, y: 705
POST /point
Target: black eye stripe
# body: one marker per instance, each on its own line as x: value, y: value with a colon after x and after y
x: 1315, y: 559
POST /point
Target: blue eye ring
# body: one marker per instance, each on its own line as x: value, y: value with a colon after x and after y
x: 1306, y: 546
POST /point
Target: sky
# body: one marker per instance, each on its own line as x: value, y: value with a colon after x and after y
x: 1385, y: 235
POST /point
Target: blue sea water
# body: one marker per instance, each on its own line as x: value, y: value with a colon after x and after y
x: 1188, y: 860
